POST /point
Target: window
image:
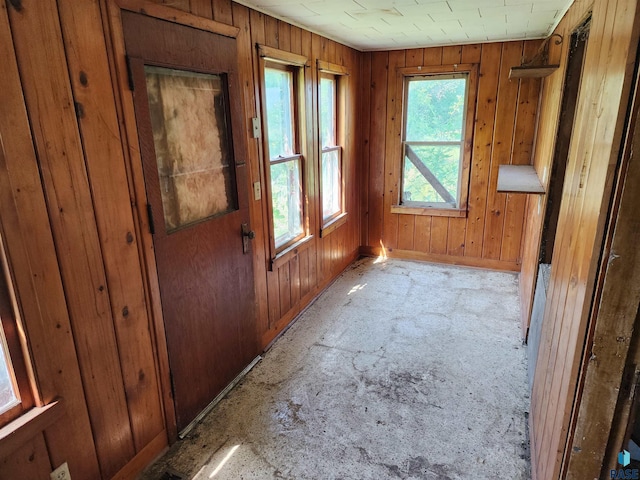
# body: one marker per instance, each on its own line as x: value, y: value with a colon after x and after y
x: 16, y: 395
x: 284, y: 138
x: 331, y: 151
x: 435, y: 159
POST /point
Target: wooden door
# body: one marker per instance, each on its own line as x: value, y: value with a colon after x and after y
x: 193, y: 148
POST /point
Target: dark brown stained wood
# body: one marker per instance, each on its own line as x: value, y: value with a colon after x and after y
x: 296, y: 40
x: 32, y: 257
x: 205, y: 259
x: 74, y: 227
x: 271, y: 32
x: 201, y: 8
x: 304, y: 272
x: 294, y: 272
x: 222, y: 11
x: 31, y: 461
x: 284, y: 281
x: 379, y: 67
x: 532, y: 72
x: 602, y: 104
x: 501, y: 151
x: 157, y: 9
x: 273, y: 295
x: 392, y: 149
x: 91, y: 83
x: 242, y: 20
x: 179, y: 4
x: 482, y: 147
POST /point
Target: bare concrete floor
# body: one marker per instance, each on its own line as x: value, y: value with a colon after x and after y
x: 399, y: 370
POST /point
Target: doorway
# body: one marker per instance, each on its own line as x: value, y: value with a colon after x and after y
x: 193, y: 149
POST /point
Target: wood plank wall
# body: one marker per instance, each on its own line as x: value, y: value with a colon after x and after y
x: 75, y: 237
x: 598, y: 128
x: 505, y: 114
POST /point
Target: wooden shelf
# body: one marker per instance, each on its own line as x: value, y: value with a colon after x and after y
x: 533, y: 72
x: 518, y: 179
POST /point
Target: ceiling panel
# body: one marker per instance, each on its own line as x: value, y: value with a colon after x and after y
x: 393, y: 24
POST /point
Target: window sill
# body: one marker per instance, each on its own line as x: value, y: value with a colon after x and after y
x: 285, y: 255
x: 19, y: 431
x: 430, y: 211
x: 333, y: 224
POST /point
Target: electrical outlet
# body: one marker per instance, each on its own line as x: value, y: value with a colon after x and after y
x: 61, y: 473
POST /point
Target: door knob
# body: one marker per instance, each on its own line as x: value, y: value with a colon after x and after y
x: 246, y: 236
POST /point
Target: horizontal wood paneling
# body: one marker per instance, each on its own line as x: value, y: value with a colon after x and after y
x: 595, y: 146
x: 505, y: 114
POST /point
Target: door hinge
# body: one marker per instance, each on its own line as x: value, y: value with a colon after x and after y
x: 152, y: 225
x: 130, y: 73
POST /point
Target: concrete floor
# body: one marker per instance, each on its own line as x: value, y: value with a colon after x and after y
x: 399, y: 370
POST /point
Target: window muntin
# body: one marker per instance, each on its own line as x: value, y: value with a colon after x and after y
x: 285, y: 159
x: 433, y: 139
x: 331, y: 154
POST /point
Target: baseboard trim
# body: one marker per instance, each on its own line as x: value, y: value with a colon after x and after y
x: 144, y: 457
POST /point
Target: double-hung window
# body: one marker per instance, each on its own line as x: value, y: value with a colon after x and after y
x: 282, y: 90
x: 435, y: 146
x: 331, y: 151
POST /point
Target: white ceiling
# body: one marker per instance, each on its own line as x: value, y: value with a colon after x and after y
x: 395, y: 24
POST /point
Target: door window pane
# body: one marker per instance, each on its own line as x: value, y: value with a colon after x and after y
x: 194, y: 153
x: 286, y: 194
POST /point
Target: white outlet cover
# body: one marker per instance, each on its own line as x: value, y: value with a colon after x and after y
x: 61, y: 473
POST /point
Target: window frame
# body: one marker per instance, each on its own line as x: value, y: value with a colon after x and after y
x: 270, y: 57
x: 20, y: 368
x: 439, y: 208
x: 340, y: 75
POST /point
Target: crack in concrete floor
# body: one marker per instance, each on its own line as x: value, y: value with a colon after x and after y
x: 399, y: 370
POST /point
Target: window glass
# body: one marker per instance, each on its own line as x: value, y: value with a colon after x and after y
x: 9, y: 396
x: 279, y: 95
x: 331, y: 155
x: 284, y: 154
x: 435, y: 108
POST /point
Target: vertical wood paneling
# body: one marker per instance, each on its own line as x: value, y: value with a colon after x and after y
x: 30, y: 461
x: 599, y: 121
x: 222, y: 11
x: 92, y: 89
x: 201, y: 8
x: 32, y: 256
x: 392, y: 147
x: 50, y: 101
x: 365, y: 140
x: 491, y: 233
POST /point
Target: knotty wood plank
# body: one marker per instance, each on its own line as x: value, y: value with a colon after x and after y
x: 406, y: 230
x: 88, y: 64
x: 243, y: 20
x: 30, y: 461
x: 471, y: 53
x: 379, y: 67
x: 273, y: 297
x: 271, y: 32
x: 31, y: 252
x: 414, y: 57
x: 74, y: 227
x: 392, y: 148
x: 482, y: 146
x: 202, y: 8
x: 365, y: 129
x: 455, y: 236
x: 451, y: 55
x: 439, y: 235
x: 222, y: 11
x: 422, y: 233
x: 432, y: 56
x: 284, y: 280
x: 284, y: 36
x: 501, y: 152
x: 296, y: 40
x: 304, y: 272
x: 294, y: 270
